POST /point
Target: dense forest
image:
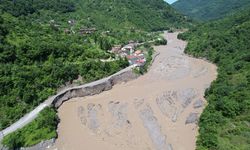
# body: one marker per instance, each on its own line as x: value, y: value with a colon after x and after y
x: 225, y: 123
x: 210, y: 9
x: 103, y: 14
x: 42, y: 46
x: 143, y: 14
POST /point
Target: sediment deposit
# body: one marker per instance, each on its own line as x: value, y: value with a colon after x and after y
x: 157, y: 111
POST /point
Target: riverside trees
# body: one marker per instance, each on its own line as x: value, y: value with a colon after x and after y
x: 224, y: 123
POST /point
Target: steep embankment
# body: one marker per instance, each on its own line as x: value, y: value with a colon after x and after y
x: 225, y: 122
x: 209, y: 9
x: 156, y: 111
x: 45, y: 124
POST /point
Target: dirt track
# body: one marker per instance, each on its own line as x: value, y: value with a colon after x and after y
x: 156, y: 111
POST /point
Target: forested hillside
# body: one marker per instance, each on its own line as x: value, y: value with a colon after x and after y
x: 143, y: 14
x: 43, y: 44
x: 225, y: 123
x: 209, y: 9
x: 104, y: 14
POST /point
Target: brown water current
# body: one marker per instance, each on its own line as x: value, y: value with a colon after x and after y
x: 157, y: 111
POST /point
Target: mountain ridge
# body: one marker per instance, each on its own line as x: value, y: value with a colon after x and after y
x: 209, y: 9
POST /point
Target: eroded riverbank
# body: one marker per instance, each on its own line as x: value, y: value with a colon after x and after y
x: 147, y: 113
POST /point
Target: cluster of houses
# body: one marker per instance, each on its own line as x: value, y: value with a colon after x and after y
x: 135, y: 57
x: 82, y: 31
x: 129, y: 51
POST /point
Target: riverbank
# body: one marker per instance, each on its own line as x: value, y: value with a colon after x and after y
x: 92, y: 88
x: 156, y: 111
x: 69, y: 92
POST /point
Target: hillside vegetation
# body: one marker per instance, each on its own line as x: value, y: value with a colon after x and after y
x: 42, y: 48
x: 150, y: 15
x: 210, y: 9
x: 225, y: 123
x: 43, y: 127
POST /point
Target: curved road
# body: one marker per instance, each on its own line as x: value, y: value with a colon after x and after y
x: 34, y: 113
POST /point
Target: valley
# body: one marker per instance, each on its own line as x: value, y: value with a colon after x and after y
x: 124, y: 75
x: 159, y: 110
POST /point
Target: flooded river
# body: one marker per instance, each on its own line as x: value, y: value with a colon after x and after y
x: 157, y: 111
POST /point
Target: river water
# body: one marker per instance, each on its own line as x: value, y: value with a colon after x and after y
x: 149, y: 113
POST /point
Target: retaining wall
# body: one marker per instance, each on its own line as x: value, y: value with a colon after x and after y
x: 95, y: 87
x: 57, y: 100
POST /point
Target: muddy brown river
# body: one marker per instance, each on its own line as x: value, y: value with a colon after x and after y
x: 157, y: 111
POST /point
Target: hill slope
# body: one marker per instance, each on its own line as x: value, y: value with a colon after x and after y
x: 224, y: 124
x: 141, y: 14
x: 209, y: 9
x: 145, y: 14
x: 42, y: 48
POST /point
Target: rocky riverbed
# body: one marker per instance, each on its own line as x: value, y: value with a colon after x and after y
x: 157, y: 111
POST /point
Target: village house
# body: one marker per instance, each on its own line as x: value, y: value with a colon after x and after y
x: 105, y: 32
x: 132, y: 59
x: 116, y: 49
x: 131, y: 41
x: 138, y: 52
x: 71, y: 22
x: 53, y: 24
x: 138, y: 60
x: 128, y: 49
x: 67, y: 31
x: 141, y: 62
x: 87, y: 30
